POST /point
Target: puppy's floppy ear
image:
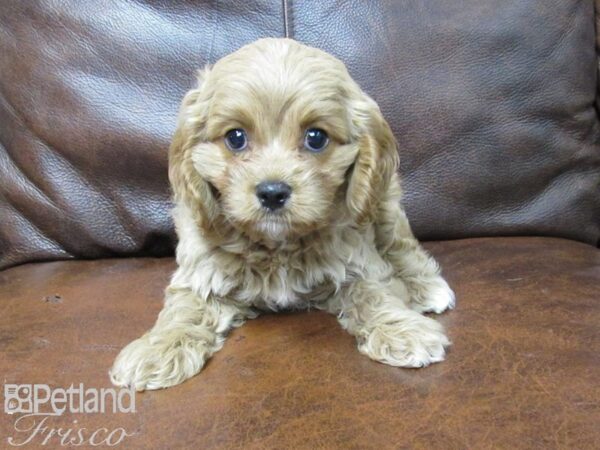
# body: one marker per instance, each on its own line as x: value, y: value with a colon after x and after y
x: 376, y: 163
x: 188, y: 186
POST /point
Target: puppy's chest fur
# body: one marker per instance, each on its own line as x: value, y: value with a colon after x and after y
x: 292, y: 276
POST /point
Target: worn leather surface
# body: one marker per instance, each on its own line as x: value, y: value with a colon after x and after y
x: 88, y: 99
x: 522, y: 373
x: 492, y: 103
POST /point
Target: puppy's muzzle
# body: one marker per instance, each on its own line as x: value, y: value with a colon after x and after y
x: 273, y: 194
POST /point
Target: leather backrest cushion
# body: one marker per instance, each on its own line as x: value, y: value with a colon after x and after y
x: 492, y: 103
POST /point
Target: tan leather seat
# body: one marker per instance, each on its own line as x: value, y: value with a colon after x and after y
x: 522, y: 372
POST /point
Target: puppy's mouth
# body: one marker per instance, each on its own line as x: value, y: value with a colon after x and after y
x: 278, y: 218
x: 273, y: 226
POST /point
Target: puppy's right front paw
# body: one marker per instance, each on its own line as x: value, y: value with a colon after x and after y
x: 157, y: 361
x: 412, y: 341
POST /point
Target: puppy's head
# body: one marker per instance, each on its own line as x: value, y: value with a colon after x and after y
x: 277, y: 140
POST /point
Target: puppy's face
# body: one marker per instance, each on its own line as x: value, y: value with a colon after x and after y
x: 277, y: 141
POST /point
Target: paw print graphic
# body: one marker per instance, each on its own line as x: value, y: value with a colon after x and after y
x: 17, y: 398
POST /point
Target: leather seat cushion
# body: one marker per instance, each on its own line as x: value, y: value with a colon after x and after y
x: 523, y: 370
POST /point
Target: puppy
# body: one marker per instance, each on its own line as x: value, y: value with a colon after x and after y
x: 286, y: 192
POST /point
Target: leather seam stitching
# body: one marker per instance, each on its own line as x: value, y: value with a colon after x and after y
x: 287, y: 19
x: 597, y: 96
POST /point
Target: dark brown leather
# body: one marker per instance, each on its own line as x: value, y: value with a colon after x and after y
x: 522, y: 373
x: 88, y: 100
x: 597, y: 12
x: 492, y: 103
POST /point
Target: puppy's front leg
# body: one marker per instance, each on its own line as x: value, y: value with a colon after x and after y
x: 428, y: 290
x: 188, y: 331
x: 385, y: 328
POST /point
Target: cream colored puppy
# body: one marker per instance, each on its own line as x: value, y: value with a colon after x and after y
x: 285, y: 182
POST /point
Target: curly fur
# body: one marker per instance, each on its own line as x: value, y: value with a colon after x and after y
x: 342, y: 243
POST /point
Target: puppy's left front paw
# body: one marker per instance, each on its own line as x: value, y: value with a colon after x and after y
x: 412, y: 341
x: 433, y: 296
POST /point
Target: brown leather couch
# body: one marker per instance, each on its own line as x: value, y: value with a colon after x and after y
x: 494, y: 105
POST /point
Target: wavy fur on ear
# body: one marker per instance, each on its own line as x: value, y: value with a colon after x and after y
x: 188, y: 187
x: 377, y: 161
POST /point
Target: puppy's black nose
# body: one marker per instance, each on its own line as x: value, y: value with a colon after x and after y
x: 273, y: 194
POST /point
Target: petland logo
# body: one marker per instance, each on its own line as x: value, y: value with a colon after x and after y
x: 38, y: 403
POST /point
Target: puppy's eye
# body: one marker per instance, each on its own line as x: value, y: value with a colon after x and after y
x: 236, y: 140
x: 315, y: 140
